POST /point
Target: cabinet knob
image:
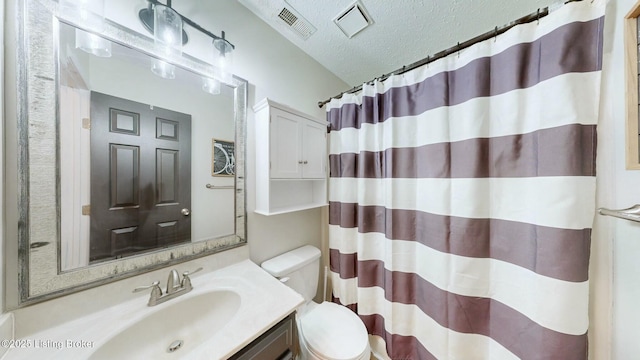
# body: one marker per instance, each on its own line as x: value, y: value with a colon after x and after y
x: 305, y: 162
x: 300, y: 162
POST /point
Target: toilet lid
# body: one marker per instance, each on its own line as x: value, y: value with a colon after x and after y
x: 334, y: 331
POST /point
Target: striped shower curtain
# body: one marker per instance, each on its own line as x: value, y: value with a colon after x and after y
x: 462, y: 196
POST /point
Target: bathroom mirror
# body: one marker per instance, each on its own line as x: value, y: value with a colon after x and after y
x: 121, y: 171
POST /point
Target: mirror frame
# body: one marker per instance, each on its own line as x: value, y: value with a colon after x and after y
x: 39, y: 172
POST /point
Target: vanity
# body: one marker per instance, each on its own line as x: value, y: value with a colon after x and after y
x: 238, y: 309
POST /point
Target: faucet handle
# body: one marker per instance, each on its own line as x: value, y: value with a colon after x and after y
x: 156, y: 292
x: 186, y: 281
x: 152, y: 286
x: 187, y: 273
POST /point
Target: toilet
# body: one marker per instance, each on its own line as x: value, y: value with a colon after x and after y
x: 327, y: 331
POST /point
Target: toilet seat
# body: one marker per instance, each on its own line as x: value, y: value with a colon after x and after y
x: 332, y: 331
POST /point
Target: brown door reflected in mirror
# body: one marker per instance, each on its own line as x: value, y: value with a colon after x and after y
x: 140, y: 177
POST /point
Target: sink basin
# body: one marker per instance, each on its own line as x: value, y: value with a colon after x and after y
x: 172, y: 329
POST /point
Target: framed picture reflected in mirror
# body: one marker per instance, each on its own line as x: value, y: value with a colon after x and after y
x: 223, y: 158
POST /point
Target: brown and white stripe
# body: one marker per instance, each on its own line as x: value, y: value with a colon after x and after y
x: 462, y: 196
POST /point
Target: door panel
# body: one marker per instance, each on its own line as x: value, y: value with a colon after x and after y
x: 167, y: 129
x: 285, y: 145
x: 313, y: 150
x: 123, y: 240
x: 124, y: 171
x: 167, y: 176
x: 167, y: 232
x: 140, y: 177
x: 124, y: 122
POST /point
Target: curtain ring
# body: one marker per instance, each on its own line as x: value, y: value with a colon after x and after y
x: 496, y: 36
x: 458, y: 49
x: 538, y: 17
x: 428, y: 60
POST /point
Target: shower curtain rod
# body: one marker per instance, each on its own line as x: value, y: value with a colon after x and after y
x: 535, y: 16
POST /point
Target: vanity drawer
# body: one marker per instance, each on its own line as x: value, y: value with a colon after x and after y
x: 278, y: 343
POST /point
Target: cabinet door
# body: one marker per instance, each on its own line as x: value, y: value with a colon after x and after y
x: 285, y: 141
x: 278, y: 343
x: 314, y: 150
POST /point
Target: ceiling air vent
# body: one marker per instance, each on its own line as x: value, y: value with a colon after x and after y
x: 295, y: 22
x: 353, y: 20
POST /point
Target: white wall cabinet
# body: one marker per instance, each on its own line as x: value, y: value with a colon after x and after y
x: 291, y: 159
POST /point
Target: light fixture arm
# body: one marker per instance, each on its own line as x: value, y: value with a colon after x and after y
x: 190, y: 22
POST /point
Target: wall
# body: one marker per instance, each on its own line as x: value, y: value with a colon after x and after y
x: 618, y: 188
x: 2, y: 174
x: 600, y: 307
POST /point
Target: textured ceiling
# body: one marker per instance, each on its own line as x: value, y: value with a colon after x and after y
x: 404, y: 31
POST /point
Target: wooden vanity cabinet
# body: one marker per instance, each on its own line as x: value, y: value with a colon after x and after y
x: 278, y: 343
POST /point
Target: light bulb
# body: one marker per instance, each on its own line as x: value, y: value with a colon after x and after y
x: 212, y: 86
x: 167, y: 30
x: 163, y: 69
x: 223, y: 59
x: 93, y: 44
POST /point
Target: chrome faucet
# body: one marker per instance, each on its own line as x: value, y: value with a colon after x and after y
x: 173, y: 282
x: 175, y: 287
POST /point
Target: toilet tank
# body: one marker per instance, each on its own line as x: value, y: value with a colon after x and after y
x: 298, y: 269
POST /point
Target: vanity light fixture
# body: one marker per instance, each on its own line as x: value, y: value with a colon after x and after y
x: 89, y: 14
x: 163, y: 22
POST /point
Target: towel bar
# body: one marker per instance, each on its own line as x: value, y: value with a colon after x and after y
x: 632, y: 213
x: 209, y: 186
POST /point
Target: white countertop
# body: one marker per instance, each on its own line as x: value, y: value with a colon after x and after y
x: 264, y: 302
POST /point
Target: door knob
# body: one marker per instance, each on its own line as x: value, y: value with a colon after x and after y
x: 185, y: 212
